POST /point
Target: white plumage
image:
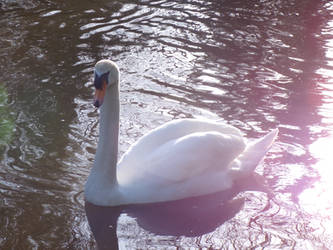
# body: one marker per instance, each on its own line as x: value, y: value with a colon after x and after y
x: 180, y: 159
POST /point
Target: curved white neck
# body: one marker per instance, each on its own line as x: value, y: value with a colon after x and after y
x: 107, y: 148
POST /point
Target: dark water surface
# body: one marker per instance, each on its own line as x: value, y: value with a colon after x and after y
x: 255, y: 64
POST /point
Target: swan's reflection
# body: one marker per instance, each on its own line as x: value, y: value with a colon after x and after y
x: 188, y: 217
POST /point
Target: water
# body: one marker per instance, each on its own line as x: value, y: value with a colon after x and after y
x: 255, y: 64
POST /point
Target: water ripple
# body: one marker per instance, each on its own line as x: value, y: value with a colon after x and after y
x: 255, y: 64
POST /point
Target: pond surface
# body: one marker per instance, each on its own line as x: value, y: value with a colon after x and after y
x: 256, y: 64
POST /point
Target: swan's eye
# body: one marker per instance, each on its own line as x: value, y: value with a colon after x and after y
x: 98, y: 81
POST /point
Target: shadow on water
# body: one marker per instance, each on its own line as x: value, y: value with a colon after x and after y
x: 191, y: 217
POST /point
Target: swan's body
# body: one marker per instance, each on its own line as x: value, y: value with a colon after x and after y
x: 180, y: 159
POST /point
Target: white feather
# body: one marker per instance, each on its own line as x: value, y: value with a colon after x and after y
x: 180, y: 159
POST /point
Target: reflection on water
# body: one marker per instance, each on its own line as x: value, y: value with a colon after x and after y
x: 191, y: 217
x: 321, y: 148
x: 6, y: 122
x: 255, y: 64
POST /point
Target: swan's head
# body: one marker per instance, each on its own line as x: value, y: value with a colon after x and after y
x: 106, y: 75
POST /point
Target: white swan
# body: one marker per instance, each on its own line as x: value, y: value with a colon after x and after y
x: 180, y: 159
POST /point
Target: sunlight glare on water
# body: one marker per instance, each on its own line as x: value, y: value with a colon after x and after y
x: 318, y: 200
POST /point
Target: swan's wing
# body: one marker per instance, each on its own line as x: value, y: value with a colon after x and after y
x: 170, y: 131
x: 183, y: 159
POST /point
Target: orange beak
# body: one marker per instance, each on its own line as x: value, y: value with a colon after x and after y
x: 99, y: 95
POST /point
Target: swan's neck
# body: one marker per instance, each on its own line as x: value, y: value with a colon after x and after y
x: 107, y: 148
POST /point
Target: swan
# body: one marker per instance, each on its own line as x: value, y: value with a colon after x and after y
x: 180, y: 159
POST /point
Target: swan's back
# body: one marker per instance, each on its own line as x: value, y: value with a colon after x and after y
x: 179, y: 153
x: 170, y: 131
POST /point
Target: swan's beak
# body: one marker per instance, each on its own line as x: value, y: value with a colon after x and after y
x: 99, y: 95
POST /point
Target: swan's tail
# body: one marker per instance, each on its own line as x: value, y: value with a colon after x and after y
x: 253, y: 154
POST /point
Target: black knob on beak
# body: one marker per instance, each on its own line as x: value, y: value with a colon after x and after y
x: 97, y: 104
